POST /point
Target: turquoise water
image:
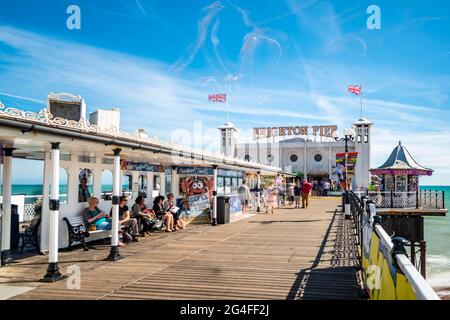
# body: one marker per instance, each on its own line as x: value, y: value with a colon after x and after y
x: 35, y: 190
x: 437, y: 235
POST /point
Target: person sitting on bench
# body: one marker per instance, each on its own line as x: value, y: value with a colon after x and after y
x: 93, y: 216
x: 169, y: 205
x: 146, y: 217
x: 158, y: 207
x: 125, y: 218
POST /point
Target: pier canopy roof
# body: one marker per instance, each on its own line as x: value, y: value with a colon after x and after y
x: 401, y: 162
x: 32, y: 132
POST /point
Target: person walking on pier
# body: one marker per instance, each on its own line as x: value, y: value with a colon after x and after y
x: 245, y: 195
x: 271, y: 200
x: 297, y: 194
x: 306, y: 190
x: 291, y: 193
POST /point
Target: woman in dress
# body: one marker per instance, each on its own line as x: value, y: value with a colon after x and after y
x: 170, y: 206
x: 271, y: 200
x: 158, y: 208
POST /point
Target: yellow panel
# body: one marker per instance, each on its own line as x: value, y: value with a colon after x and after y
x: 374, y: 247
x: 404, y: 289
x: 387, y: 291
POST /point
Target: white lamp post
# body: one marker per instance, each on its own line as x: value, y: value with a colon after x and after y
x: 349, y: 135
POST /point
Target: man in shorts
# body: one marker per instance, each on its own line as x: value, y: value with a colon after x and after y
x: 244, y: 194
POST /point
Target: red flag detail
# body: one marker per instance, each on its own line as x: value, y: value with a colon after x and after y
x: 354, y: 89
x: 217, y: 97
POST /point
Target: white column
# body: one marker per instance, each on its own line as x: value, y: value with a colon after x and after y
x: 174, y: 189
x: 150, y: 189
x: 329, y: 160
x: 6, y: 219
x: 258, y: 199
x: 53, y: 273
x: 97, y: 176
x: 162, y: 178
x: 114, y: 252
x: 305, y: 175
x: 214, y: 211
x: 45, y: 212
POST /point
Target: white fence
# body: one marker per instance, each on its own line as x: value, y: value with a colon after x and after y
x: 423, y: 199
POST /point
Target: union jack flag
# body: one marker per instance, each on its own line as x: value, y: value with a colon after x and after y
x: 354, y: 89
x: 218, y: 97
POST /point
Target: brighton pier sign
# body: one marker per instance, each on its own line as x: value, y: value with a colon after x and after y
x: 268, y: 132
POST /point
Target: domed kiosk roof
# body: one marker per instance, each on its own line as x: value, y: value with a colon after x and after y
x: 401, y: 162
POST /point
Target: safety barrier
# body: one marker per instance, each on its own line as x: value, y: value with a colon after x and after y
x: 423, y: 199
x: 388, y: 274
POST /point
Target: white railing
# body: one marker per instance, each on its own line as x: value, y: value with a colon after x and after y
x: 423, y: 199
x: 421, y: 287
x: 364, y: 214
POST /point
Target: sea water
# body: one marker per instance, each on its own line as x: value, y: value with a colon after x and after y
x: 437, y: 235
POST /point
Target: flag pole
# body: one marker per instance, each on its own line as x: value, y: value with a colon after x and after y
x: 360, y: 88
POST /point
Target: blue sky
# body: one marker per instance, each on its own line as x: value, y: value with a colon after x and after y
x: 280, y: 62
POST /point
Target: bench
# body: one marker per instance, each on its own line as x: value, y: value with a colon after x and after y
x: 78, y: 231
x: 29, y: 235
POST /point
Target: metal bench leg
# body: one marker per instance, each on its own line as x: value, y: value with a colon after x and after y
x: 85, y: 247
x: 22, y: 243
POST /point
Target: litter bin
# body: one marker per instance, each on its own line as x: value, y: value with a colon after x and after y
x: 223, y: 210
x: 14, y: 227
x: 15, y: 235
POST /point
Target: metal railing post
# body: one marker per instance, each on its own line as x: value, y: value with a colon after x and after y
x: 436, y: 199
x: 417, y: 197
x: 443, y: 199
x: 423, y: 258
x: 430, y: 198
x: 413, y: 253
x: 392, y: 198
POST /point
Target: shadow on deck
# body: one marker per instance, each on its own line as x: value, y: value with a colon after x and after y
x: 339, y: 281
x: 293, y: 254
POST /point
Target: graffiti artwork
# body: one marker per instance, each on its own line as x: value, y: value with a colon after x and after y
x: 192, y: 186
x: 198, y: 193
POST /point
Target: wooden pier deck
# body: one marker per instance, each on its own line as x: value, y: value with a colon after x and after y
x: 292, y: 254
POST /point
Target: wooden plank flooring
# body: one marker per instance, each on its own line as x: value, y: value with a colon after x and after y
x: 292, y: 254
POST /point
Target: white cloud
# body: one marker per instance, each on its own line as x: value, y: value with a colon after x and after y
x: 309, y: 92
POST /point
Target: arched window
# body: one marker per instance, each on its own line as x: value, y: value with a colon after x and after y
x: 168, y: 179
x: 107, y: 185
x: 63, y: 194
x: 63, y: 198
x: 143, y: 185
x: 127, y: 183
x: 156, y: 181
x: 85, y: 179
